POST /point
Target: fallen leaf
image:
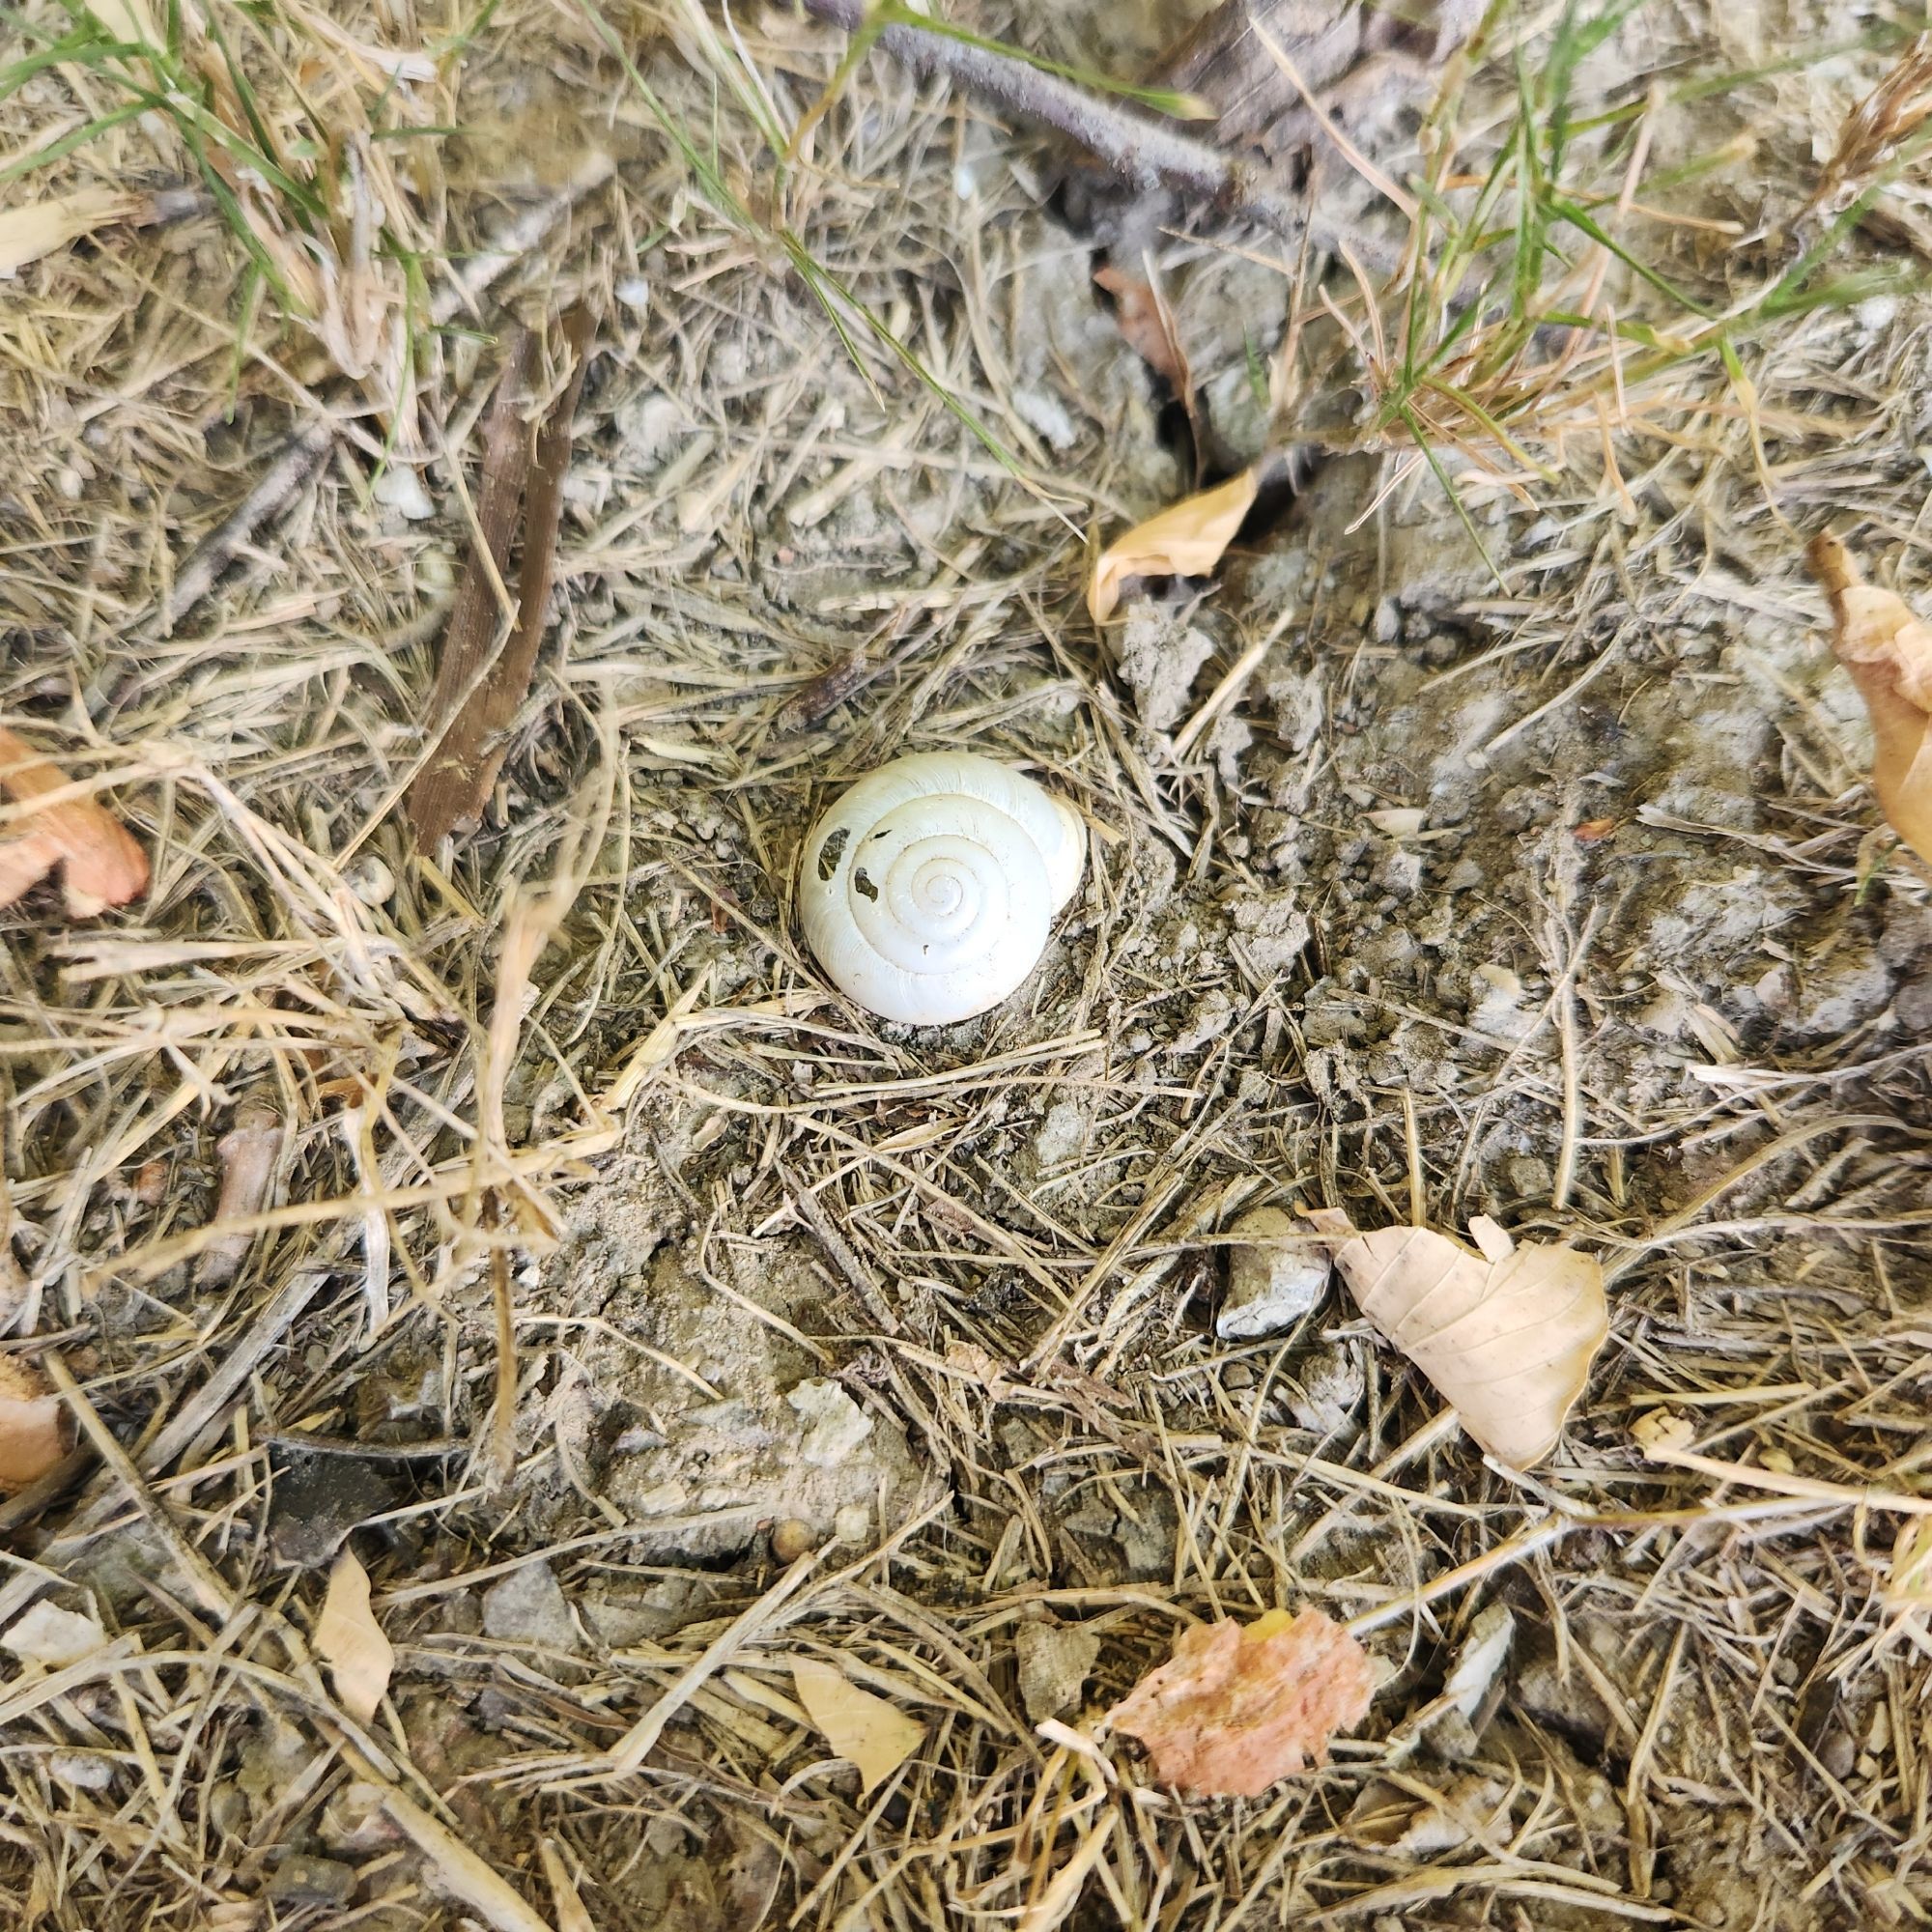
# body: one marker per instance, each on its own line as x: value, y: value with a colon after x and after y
x: 38, y: 228
x: 33, y: 1425
x: 1147, y: 327
x: 1234, y: 1708
x: 102, y: 864
x: 1594, y: 831
x: 50, y: 1635
x: 1398, y: 821
x: 1888, y: 650
x: 1507, y: 1335
x: 1185, y: 540
x: 866, y: 1731
x: 350, y: 1640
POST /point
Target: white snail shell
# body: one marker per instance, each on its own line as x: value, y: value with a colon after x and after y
x: 935, y: 901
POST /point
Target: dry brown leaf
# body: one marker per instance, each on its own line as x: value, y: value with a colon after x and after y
x: 866, y: 1731
x: 1507, y: 1335
x: 350, y: 1640
x: 1183, y: 541
x: 1887, y: 649
x: 33, y: 1425
x: 1147, y: 327
x: 1234, y: 1708
x: 102, y: 864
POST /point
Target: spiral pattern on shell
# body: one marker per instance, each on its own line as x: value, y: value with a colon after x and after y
x: 926, y: 892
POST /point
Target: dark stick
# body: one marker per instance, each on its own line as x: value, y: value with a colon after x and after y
x: 1144, y: 152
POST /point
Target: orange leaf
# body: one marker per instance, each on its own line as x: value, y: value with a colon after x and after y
x: 1887, y: 649
x: 1185, y: 541
x: 104, y: 865
x: 1147, y: 327
x: 33, y: 1426
x: 1234, y: 1709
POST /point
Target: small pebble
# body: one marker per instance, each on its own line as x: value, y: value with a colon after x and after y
x: 791, y: 1538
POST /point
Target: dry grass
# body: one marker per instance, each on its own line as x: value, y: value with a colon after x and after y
x: 788, y: 555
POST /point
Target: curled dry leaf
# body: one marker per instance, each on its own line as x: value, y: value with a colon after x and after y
x: 1235, y: 1708
x: 1147, y: 327
x: 866, y: 1731
x: 33, y: 1425
x: 350, y: 1640
x: 102, y: 865
x: 1507, y: 1335
x: 1888, y: 650
x: 1183, y: 541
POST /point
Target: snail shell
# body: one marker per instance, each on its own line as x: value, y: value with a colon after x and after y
x: 928, y: 890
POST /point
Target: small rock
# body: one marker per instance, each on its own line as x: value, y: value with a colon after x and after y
x: 302, y: 1880
x: 1914, y: 1006
x: 1838, y: 993
x: 853, y: 1524
x: 792, y: 1538
x: 51, y: 1636
x: 1056, y: 1661
x: 354, y: 1823
x: 1480, y: 1658
x: 528, y: 1607
x: 400, y: 488
x: 1273, y: 1280
x: 1325, y: 1391
x: 835, y: 1425
x: 82, y: 1771
x: 317, y: 1500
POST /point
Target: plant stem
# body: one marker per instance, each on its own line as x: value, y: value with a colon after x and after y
x: 1142, y: 151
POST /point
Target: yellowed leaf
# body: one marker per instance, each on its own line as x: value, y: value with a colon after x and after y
x: 1185, y: 540
x: 350, y: 1640
x: 37, y: 228
x: 1908, y: 1584
x: 33, y: 1425
x: 101, y: 864
x: 1235, y: 1708
x: 867, y: 1731
x: 1507, y: 1335
x: 1887, y: 649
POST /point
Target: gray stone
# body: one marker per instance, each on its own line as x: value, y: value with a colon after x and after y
x: 1273, y: 1280
x: 302, y: 1880
x: 528, y: 1607
x: 1056, y: 1661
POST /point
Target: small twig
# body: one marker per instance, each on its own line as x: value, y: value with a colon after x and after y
x: 811, y: 1211
x: 284, y: 479
x: 1142, y: 151
x: 250, y: 1151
